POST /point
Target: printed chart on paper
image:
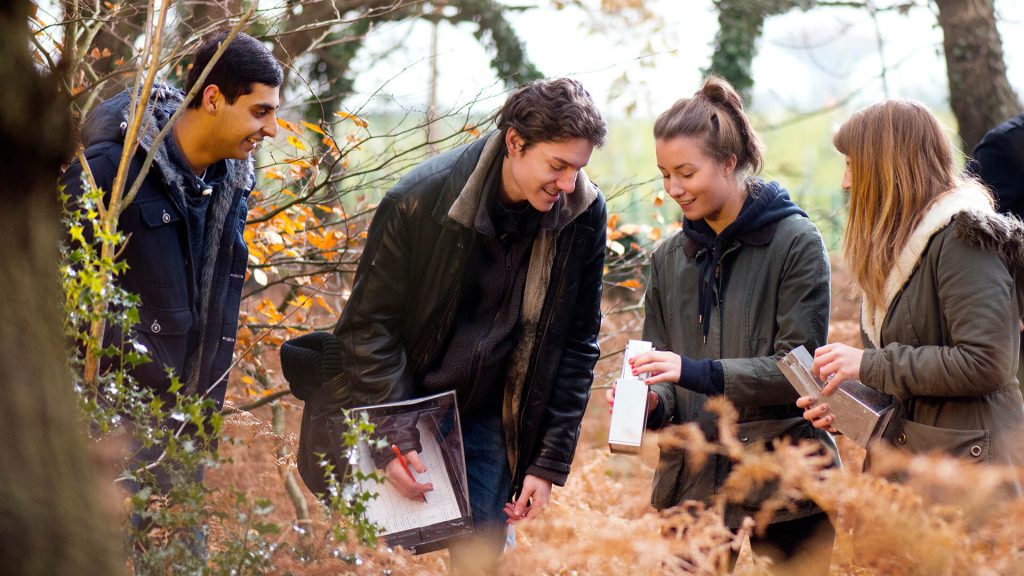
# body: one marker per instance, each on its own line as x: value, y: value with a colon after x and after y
x: 396, y: 513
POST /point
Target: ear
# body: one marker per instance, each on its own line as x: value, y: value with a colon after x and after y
x: 513, y: 141
x: 729, y: 166
x: 212, y: 98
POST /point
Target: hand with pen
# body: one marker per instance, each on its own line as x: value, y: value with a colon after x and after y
x: 400, y: 476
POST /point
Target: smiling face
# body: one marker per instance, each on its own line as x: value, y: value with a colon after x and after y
x: 704, y: 189
x: 540, y: 173
x: 240, y: 126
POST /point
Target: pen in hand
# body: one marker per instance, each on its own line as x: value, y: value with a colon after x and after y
x: 405, y: 466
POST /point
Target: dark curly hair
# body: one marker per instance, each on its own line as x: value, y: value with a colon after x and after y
x: 551, y: 111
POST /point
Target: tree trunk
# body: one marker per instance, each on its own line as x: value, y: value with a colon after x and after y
x: 979, y: 93
x: 740, y: 23
x: 53, y: 520
x: 739, y: 27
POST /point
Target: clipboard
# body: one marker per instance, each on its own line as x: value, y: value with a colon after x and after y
x: 415, y: 525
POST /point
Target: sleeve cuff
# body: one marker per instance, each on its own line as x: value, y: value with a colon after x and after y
x: 553, y: 476
x: 703, y: 376
x: 656, y: 419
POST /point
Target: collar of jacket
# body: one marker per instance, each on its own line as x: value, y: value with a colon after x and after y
x: 766, y: 204
x: 969, y: 198
x: 759, y: 237
x: 462, y: 205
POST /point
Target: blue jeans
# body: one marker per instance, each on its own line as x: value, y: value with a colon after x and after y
x: 490, y: 481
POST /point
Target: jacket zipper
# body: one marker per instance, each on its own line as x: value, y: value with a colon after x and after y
x: 700, y: 313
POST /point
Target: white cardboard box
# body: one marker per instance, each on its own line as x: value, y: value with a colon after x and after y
x: 629, y: 413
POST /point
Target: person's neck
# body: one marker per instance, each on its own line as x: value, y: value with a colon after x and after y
x: 189, y: 136
x: 730, y: 211
x: 508, y: 190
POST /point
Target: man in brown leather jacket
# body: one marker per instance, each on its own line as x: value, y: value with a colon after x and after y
x: 481, y: 274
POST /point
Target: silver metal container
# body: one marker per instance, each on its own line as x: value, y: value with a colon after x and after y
x: 862, y: 413
x: 629, y: 413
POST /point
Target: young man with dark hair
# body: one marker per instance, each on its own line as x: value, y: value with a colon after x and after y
x: 481, y: 274
x: 185, y: 252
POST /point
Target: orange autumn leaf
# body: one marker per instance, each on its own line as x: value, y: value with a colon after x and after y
x: 324, y: 241
x: 299, y: 162
x: 290, y: 126
x: 323, y: 304
x: 313, y: 127
x: 297, y: 143
x: 355, y: 119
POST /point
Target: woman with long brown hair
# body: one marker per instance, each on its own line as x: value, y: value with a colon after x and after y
x: 744, y: 282
x: 941, y: 304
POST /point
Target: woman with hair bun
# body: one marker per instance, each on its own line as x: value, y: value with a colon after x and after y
x: 745, y: 281
x: 940, y: 273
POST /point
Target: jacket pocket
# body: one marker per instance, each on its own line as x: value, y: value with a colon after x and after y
x: 164, y: 332
x: 970, y: 445
x: 159, y: 270
x: 159, y: 213
x: 675, y: 481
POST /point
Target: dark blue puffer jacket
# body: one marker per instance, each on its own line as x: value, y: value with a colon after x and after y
x: 186, y: 323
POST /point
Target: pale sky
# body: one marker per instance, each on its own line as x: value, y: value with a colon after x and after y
x: 806, y: 60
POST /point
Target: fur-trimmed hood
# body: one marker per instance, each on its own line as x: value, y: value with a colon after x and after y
x: 970, y: 211
x: 1001, y: 233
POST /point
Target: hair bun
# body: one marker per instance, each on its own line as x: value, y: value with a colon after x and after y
x: 715, y: 114
x: 717, y: 91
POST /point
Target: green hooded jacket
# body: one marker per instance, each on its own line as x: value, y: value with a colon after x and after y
x: 772, y: 296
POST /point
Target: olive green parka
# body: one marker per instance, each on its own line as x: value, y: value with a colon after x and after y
x: 946, y: 343
x: 773, y: 295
